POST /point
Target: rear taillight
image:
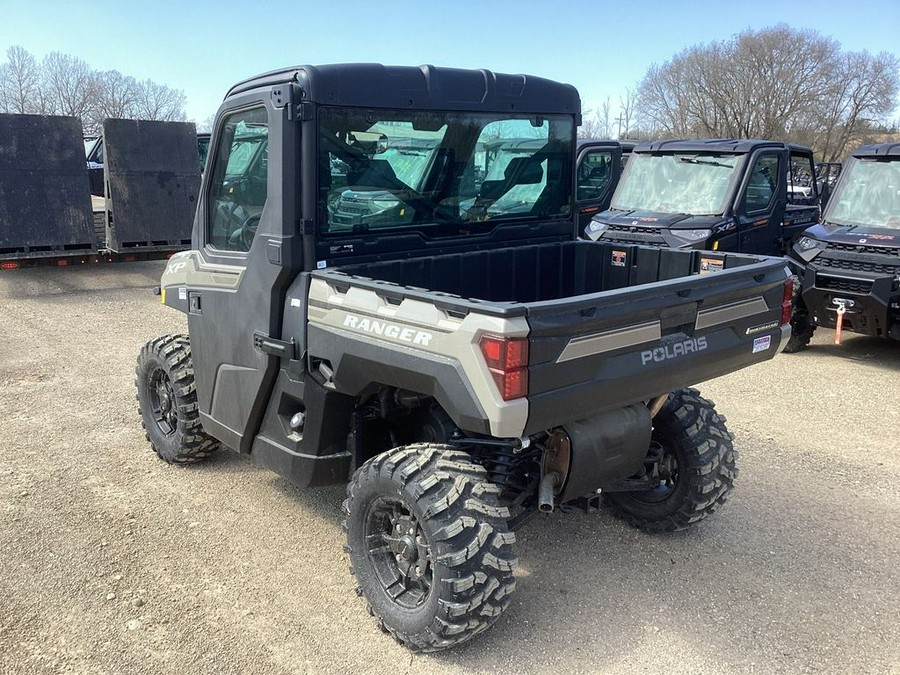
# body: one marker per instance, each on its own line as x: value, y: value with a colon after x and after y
x: 9, y: 265
x: 787, y: 302
x: 507, y: 359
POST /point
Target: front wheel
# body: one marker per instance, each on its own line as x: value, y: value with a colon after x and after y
x: 167, y: 401
x: 694, y: 460
x: 802, y: 329
x: 429, y: 545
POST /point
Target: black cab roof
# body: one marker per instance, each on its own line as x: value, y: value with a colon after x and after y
x: 627, y: 146
x: 879, y: 150
x: 421, y: 88
x: 737, y: 146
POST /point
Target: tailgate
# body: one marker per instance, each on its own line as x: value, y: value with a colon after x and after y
x: 609, y: 350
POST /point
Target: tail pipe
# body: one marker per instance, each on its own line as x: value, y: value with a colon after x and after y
x: 546, y: 491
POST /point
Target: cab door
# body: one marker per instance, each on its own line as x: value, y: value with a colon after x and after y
x: 597, y: 174
x: 760, y: 203
x: 246, y: 241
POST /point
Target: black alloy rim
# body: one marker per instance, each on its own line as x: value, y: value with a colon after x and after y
x: 399, y: 552
x: 162, y: 402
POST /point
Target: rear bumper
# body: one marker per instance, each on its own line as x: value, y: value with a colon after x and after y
x: 638, y: 374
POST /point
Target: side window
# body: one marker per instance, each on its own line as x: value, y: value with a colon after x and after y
x: 202, y: 151
x: 801, y: 180
x: 238, y: 180
x: 762, y: 184
x: 594, y: 174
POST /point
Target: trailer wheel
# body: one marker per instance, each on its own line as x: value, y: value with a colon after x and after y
x: 167, y: 401
x: 429, y: 545
x: 695, y: 461
x: 802, y: 330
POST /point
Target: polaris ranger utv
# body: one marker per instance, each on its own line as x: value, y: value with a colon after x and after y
x: 850, y: 263
x: 749, y: 196
x: 462, y: 368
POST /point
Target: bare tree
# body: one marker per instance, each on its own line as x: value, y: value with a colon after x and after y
x: 627, y: 104
x: 117, y: 95
x: 158, y: 102
x: 595, y: 123
x: 70, y: 83
x: 66, y: 85
x: 20, y: 82
x: 206, y: 126
x: 779, y: 83
x: 860, y: 98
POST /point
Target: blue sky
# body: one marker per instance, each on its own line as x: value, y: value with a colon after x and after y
x: 601, y: 47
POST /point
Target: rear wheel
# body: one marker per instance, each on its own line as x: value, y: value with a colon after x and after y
x: 693, y: 457
x: 429, y: 545
x: 167, y: 401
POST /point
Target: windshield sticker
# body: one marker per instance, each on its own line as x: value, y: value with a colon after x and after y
x: 321, y: 264
x: 761, y: 344
x: 618, y: 258
x: 708, y: 265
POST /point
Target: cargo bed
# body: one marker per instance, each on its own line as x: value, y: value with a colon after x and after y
x: 607, y: 325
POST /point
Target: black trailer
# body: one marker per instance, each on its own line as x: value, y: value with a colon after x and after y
x: 94, y: 155
x: 44, y: 207
x: 152, y: 177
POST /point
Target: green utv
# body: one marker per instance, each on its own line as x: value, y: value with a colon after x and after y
x: 462, y: 367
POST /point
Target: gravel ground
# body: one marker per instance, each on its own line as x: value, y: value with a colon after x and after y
x: 113, y: 562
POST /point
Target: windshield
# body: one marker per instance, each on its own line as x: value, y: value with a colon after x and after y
x: 691, y: 184
x: 868, y: 194
x: 402, y: 169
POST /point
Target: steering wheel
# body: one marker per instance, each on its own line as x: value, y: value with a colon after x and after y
x: 245, y: 233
